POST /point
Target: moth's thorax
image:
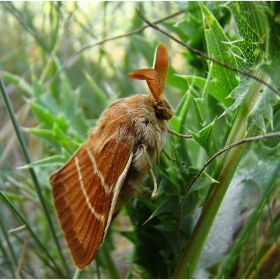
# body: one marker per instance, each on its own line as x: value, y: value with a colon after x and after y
x: 134, y: 117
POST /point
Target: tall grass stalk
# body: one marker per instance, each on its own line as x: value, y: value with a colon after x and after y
x: 35, y: 181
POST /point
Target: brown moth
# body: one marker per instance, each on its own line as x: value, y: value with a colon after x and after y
x: 108, y: 168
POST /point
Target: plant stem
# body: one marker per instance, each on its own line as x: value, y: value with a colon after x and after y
x: 224, y: 173
x: 78, y: 274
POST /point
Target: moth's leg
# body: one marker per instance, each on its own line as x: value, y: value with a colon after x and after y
x: 141, y: 161
x: 154, y: 193
x: 178, y: 134
x: 152, y: 130
x: 143, y: 191
x: 168, y: 156
x: 157, y: 156
x: 171, y: 158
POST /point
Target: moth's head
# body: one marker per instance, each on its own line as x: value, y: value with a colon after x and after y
x: 155, y: 78
x: 160, y: 108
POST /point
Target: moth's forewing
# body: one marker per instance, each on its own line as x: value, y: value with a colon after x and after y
x: 85, y: 191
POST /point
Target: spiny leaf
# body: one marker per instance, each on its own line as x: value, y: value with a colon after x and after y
x: 204, y: 137
x: 45, y: 117
x: 250, y: 20
x: 204, y: 180
x: 194, y: 80
x: 200, y: 111
x: 168, y: 206
x: 263, y: 109
x: 222, y: 81
x: 22, y: 84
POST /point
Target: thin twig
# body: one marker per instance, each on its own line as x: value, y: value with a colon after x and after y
x: 17, y: 229
x: 206, y: 56
x: 101, y: 42
x: 168, y: 156
x: 240, y: 142
x: 178, y: 134
x: 21, y: 259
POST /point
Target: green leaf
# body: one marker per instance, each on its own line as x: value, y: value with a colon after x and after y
x: 56, y: 160
x: 63, y: 139
x: 174, y: 80
x: 204, y: 137
x: 202, y: 116
x: 68, y: 98
x: 23, y: 186
x: 15, y: 197
x: 44, y: 116
x: 71, y: 111
x: 191, y: 28
x: 98, y: 91
x: 238, y: 94
x: 203, y: 181
x: 222, y: 81
x: 255, y: 46
x: 47, y: 101
x: 272, y: 63
x: 145, y: 48
x: 194, y: 80
x: 79, y: 125
x: 250, y: 20
x: 170, y: 205
x: 176, y: 123
x: 45, y: 134
x: 262, y: 109
x: 19, y: 81
x: 36, y: 85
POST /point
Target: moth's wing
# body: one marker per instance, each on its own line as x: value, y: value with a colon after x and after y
x: 155, y: 77
x: 85, y: 192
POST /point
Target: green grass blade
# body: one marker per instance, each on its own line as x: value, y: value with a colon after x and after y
x: 25, y: 22
x: 36, y: 239
x: 12, y: 269
x: 31, y: 170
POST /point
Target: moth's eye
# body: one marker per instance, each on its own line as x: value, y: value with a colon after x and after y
x: 159, y: 113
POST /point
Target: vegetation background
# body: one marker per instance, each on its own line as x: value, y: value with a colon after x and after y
x: 62, y: 63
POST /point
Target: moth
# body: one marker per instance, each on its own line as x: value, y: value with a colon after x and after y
x: 108, y: 168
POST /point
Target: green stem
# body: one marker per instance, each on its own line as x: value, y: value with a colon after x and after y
x: 78, y: 274
x: 104, y: 257
x: 224, y: 173
x: 31, y: 170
